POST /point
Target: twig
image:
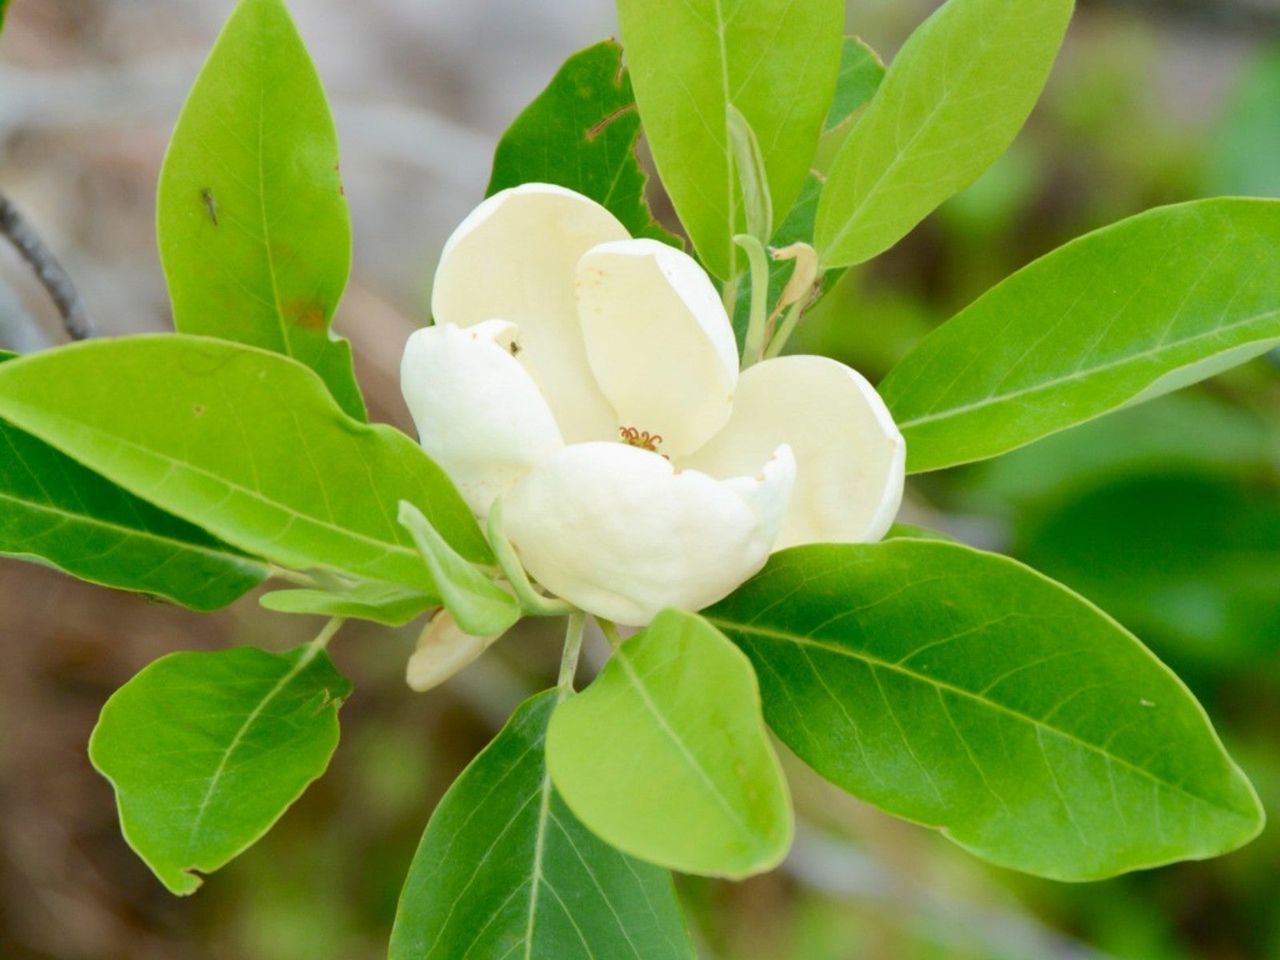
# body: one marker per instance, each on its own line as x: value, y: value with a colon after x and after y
x: 48, y: 271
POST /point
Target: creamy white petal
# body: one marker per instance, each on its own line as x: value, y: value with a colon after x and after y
x: 514, y: 257
x: 478, y: 412
x: 443, y: 650
x: 850, y: 457
x: 769, y: 491
x: 659, y: 341
x: 614, y: 530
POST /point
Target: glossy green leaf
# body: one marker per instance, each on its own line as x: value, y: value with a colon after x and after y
x: 54, y: 511
x: 252, y: 225
x: 962, y: 690
x: 581, y: 133
x: 207, y: 750
x: 665, y: 755
x: 505, y: 870
x: 384, y: 603
x: 246, y: 443
x: 861, y: 72
x: 1127, y: 313
x: 953, y: 100
x: 479, y: 606
x: 776, y: 61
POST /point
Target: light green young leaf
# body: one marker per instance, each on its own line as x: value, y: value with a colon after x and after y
x: 505, y: 870
x: 776, y: 61
x: 207, y: 750
x: 581, y: 133
x: 748, y: 165
x: 53, y: 510
x: 245, y: 443
x: 1127, y: 313
x: 252, y: 225
x: 962, y: 690
x: 665, y: 755
x: 479, y: 606
x: 953, y: 100
x: 384, y: 603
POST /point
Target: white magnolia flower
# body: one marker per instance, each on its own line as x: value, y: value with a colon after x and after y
x: 591, y: 381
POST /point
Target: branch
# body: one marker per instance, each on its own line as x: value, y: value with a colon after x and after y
x: 14, y: 226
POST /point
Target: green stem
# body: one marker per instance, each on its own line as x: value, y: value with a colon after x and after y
x: 318, y: 645
x: 530, y: 600
x: 610, y: 632
x: 753, y: 348
x: 788, y: 327
x: 572, y: 649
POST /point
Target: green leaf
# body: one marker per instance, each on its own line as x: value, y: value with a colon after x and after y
x: 252, y: 225
x: 54, y: 510
x: 207, y: 750
x: 479, y: 606
x: 1127, y: 313
x: 57, y: 512
x: 860, y: 75
x: 505, y: 870
x: 962, y: 690
x: 748, y: 167
x: 384, y: 603
x: 861, y: 72
x: 776, y: 61
x: 665, y: 755
x: 953, y: 100
x: 909, y: 531
x: 581, y: 133
x: 245, y: 443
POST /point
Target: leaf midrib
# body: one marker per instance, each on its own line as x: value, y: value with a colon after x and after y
x: 874, y: 189
x: 722, y: 801
x: 92, y: 521
x: 1133, y: 358
x: 292, y: 674
x: 257, y: 495
x: 939, y: 685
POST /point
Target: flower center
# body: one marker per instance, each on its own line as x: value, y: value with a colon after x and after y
x: 640, y: 438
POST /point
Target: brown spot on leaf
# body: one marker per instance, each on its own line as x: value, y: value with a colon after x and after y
x: 198, y: 409
x: 306, y: 314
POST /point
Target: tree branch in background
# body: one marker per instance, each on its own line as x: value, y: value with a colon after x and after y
x: 14, y: 226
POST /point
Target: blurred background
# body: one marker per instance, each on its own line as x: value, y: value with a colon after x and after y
x: 1167, y: 515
